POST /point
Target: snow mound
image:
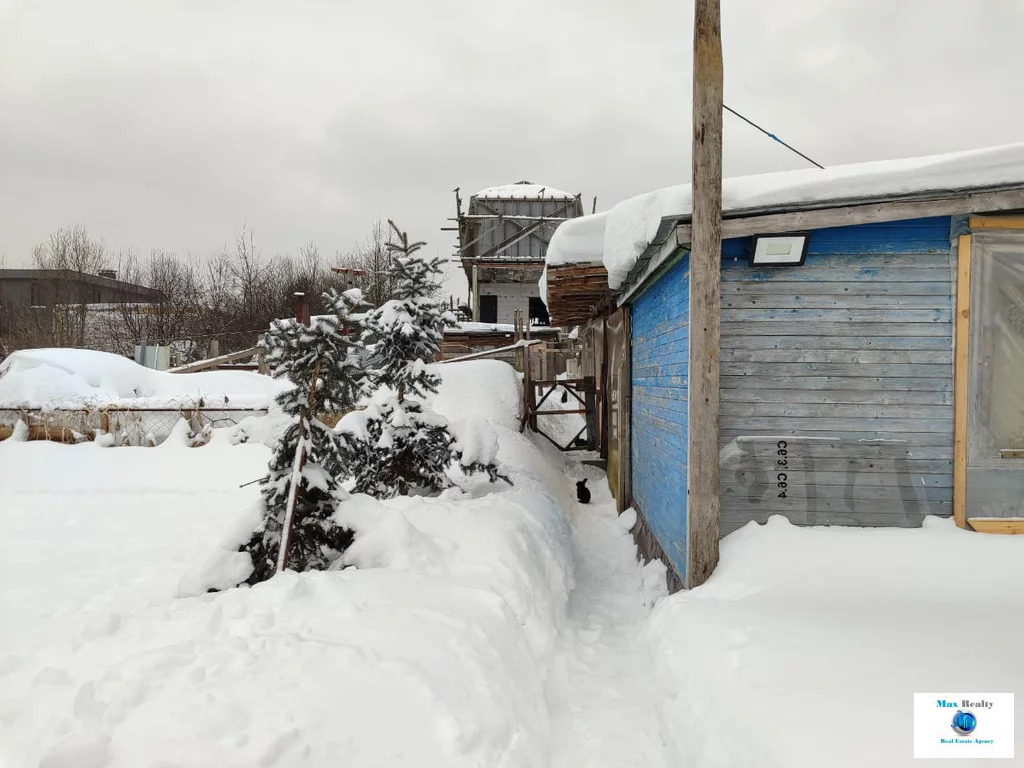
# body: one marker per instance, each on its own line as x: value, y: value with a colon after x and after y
x: 478, y: 389
x: 76, y: 377
x: 433, y: 652
x: 809, y: 626
x: 619, y: 236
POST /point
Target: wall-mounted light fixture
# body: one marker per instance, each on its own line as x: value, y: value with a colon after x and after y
x: 779, y: 250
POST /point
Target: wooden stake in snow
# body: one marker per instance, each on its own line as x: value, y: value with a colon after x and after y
x: 705, y: 295
x: 296, y: 477
x: 289, y: 512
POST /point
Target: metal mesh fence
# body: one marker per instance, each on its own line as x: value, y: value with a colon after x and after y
x: 119, y: 425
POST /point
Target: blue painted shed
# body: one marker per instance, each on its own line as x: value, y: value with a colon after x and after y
x: 877, y: 381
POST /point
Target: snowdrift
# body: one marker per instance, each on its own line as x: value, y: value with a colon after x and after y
x: 433, y: 652
x: 75, y: 377
x: 806, y: 639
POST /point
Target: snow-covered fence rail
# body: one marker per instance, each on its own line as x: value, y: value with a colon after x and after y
x: 118, y: 425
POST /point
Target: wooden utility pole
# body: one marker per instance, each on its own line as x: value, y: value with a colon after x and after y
x: 705, y: 295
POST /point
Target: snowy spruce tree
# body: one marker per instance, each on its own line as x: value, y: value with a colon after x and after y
x: 302, y: 487
x: 400, y: 446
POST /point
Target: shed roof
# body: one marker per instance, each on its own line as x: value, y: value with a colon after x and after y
x: 621, y: 235
x: 79, y: 277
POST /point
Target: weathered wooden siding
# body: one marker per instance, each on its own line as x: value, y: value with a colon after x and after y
x: 489, y: 233
x: 837, y: 379
x: 660, y: 350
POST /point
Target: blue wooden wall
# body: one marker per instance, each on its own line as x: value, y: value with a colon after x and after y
x: 848, y: 358
x: 660, y: 360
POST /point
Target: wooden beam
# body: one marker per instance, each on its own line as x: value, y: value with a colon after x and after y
x: 961, y: 378
x: 996, y: 222
x: 489, y: 352
x: 1003, y: 525
x: 213, y: 362
x: 703, y: 509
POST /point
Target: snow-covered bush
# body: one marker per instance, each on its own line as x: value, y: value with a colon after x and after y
x: 399, y: 446
x: 302, y: 486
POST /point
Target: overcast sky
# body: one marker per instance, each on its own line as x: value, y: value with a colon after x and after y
x: 173, y: 123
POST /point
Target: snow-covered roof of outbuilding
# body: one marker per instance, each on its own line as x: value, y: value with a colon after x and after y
x: 523, y: 190
x: 620, y: 235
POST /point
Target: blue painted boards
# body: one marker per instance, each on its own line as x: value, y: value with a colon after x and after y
x: 850, y: 354
x: 660, y: 360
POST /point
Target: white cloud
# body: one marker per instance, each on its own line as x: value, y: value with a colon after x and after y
x: 170, y: 124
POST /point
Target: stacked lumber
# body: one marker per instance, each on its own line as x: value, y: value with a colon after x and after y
x: 577, y: 292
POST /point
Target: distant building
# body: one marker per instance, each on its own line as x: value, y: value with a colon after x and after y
x: 46, y: 287
x: 503, y: 238
x: 34, y: 301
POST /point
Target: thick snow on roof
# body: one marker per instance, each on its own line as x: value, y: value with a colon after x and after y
x: 631, y: 225
x: 524, y: 190
x: 582, y: 244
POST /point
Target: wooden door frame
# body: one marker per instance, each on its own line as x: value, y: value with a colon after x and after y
x: 961, y: 371
x: 961, y: 376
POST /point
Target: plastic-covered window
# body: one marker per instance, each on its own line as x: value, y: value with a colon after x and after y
x: 996, y: 423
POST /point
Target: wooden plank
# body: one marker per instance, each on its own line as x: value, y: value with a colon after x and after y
x: 861, y: 271
x: 837, y: 410
x: 1012, y: 526
x: 841, y: 463
x: 733, y: 508
x: 849, y: 356
x: 996, y: 222
x: 213, y: 362
x: 845, y: 383
x: 840, y: 315
x: 894, y: 370
x: 817, y: 329
x: 860, y: 288
x: 836, y: 445
x: 705, y: 295
x: 841, y: 487
x: 961, y: 378
x: 839, y: 424
x: 839, y: 342
x: 875, y: 397
x: 743, y: 223
x: 903, y: 274
x: 839, y: 478
x: 625, y: 498
x: 913, y: 442
x: 841, y: 301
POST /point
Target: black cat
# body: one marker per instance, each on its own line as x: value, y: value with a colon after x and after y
x: 582, y: 492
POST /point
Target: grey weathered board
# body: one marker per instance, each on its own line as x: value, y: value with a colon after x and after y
x: 848, y: 359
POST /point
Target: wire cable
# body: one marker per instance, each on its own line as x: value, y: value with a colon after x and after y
x: 771, y: 135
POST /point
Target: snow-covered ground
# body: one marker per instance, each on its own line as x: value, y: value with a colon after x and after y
x: 601, y: 685
x: 503, y: 626
x: 433, y: 652
x: 806, y: 646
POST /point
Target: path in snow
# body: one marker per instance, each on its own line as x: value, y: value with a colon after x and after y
x: 601, y: 690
